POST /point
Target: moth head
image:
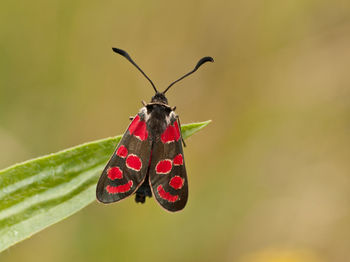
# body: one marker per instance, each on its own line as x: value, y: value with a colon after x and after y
x: 159, y: 98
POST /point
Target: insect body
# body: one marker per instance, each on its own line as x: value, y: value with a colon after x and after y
x: 149, y: 158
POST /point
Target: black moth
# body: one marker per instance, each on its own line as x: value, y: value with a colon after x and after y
x: 149, y: 158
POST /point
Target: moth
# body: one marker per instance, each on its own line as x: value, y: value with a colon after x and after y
x: 149, y: 159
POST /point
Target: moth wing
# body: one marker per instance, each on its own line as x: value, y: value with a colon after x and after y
x: 127, y: 168
x: 167, y: 173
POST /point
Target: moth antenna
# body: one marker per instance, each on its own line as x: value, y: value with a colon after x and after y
x: 126, y: 55
x: 200, y: 62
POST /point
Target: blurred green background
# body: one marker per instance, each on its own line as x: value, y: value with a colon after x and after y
x: 269, y: 178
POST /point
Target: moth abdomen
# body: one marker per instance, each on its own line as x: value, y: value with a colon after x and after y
x: 142, y: 192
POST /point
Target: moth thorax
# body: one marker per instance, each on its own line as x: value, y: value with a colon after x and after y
x: 159, y: 98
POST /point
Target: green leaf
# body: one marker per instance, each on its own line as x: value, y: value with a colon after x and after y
x: 40, y: 192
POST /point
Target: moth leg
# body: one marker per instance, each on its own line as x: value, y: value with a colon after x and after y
x: 183, y: 141
x: 143, y: 102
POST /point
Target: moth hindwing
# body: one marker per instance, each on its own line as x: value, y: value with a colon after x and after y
x: 149, y: 158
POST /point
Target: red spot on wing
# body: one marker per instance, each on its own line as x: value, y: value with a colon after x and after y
x: 176, y: 182
x: 177, y: 131
x: 164, y: 166
x: 166, y: 195
x: 122, y: 151
x: 115, y: 173
x: 134, y: 124
x: 119, y: 189
x: 168, y: 135
x: 141, y: 131
x: 133, y: 162
x: 138, y: 128
x: 171, y: 133
x: 178, y: 160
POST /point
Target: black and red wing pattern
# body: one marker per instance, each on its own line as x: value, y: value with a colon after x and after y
x: 167, y: 173
x: 127, y: 168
